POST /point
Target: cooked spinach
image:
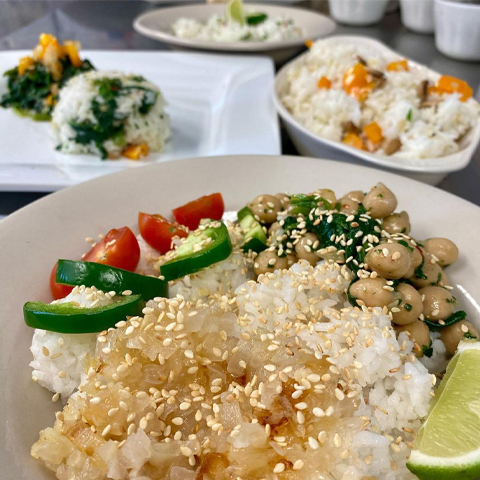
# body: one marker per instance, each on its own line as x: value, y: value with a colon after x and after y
x: 331, y: 227
x: 28, y: 92
x: 451, y: 320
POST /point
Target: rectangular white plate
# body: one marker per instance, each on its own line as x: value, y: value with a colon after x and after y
x: 218, y: 105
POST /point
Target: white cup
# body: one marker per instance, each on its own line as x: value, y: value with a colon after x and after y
x: 417, y: 15
x: 358, y: 12
x: 457, y: 29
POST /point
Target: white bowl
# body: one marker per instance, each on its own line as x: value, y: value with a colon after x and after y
x: 457, y: 29
x: 358, y: 12
x: 56, y: 226
x: 157, y: 24
x: 417, y: 15
x: 428, y: 170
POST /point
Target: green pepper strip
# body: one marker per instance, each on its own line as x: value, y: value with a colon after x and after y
x: 69, y: 318
x: 108, y: 278
x: 451, y: 320
x: 188, y: 261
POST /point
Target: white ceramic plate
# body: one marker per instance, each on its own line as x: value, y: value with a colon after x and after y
x: 431, y: 170
x: 32, y: 239
x: 157, y: 24
x: 217, y: 106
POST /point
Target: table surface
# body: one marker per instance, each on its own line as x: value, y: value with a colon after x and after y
x: 107, y: 25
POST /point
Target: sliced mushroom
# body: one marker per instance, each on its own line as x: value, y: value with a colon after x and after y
x: 422, y: 91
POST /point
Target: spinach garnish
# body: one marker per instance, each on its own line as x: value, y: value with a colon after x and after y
x: 469, y: 336
x: 419, y: 270
x: 255, y: 18
x: 28, y: 92
x: 407, y: 307
x: 409, y: 115
x: 109, y: 124
x: 451, y: 320
x: 328, y: 232
x: 428, y: 351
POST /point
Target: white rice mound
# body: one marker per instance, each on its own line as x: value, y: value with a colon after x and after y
x: 432, y: 132
x: 333, y: 379
x: 59, y: 359
x: 75, y: 105
x: 220, y: 29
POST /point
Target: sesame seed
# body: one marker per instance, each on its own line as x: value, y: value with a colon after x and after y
x: 279, y: 468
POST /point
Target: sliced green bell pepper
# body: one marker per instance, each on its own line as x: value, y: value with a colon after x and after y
x: 108, y: 278
x: 69, y: 318
x: 205, y: 246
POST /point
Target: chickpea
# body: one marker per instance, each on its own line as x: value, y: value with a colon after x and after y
x: 390, y: 260
x: 370, y: 291
x: 452, y: 335
x: 306, y: 247
x: 355, y: 195
x: 291, y: 259
x: 275, y: 230
x: 284, y: 200
x: 266, y: 208
x: 348, y: 206
x: 417, y: 258
x: 443, y: 249
x: 397, y: 223
x: 410, y: 307
x: 418, y: 333
x: 328, y: 195
x: 269, y: 261
x: 431, y: 271
x: 438, y: 303
x: 380, y: 202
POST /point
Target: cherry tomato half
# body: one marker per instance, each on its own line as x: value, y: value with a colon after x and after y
x: 118, y: 249
x: 158, y: 232
x: 209, y: 206
x: 58, y: 290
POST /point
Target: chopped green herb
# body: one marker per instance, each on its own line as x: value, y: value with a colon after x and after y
x: 451, y: 320
x: 407, y: 307
x: 406, y: 245
x: 419, y: 270
x: 469, y: 336
x: 409, y: 115
x: 427, y: 351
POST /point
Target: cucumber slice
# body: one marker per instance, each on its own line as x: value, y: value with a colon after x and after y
x: 254, y: 237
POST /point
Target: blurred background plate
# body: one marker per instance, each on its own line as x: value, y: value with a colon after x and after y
x: 217, y: 105
x: 157, y: 24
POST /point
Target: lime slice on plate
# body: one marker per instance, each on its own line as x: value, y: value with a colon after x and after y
x: 448, y: 443
x: 235, y: 11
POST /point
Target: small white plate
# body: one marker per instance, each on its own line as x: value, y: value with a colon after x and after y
x: 57, y: 225
x: 217, y: 106
x: 157, y: 24
x: 429, y: 170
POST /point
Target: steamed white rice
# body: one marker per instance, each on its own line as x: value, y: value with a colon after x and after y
x: 75, y: 106
x: 220, y: 29
x: 427, y: 132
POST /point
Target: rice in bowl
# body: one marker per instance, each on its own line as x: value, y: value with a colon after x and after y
x: 110, y: 114
x: 355, y: 95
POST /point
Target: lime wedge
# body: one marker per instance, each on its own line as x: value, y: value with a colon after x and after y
x: 235, y: 11
x: 448, y: 443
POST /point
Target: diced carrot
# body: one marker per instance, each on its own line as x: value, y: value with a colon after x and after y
x: 72, y: 53
x: 24, y: 64
x: 357, y: 82
x: 309, y: 43
x: 401, y: 65
x: 373, y: 132
x: 135, y: 152
x: 353, y: 140
x: 324, y: 82
x: 448, y: 84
